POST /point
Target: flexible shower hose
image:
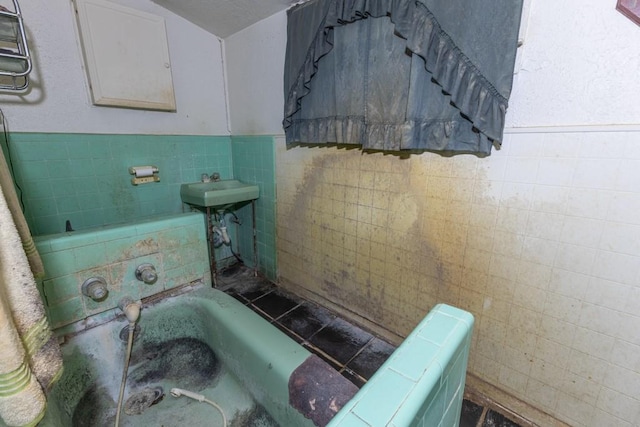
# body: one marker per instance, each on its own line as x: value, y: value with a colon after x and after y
x: 177, y: 392
x: 127, y: 357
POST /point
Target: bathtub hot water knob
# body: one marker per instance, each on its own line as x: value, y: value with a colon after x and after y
x: 95, y: 288
x: 146, y: 273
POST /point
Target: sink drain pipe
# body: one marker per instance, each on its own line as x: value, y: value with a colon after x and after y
x: 177, y: 392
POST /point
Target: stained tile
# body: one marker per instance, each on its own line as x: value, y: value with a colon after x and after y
x: 341, y: 340
x: 289, y: 333
x: 356, y: 379
x: 470, y: 414
x: 247, y: 285
x: 306, y: 319
x: 261, y: 313
x: 333, y: 339
x: 369, y: 360
x: 237, y: 296
x: 275, y: 304
x: 253, y: 294
x: 323, y: 356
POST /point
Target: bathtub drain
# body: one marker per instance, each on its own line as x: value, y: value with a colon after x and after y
x: 140, y: 402
x: 124, y: 333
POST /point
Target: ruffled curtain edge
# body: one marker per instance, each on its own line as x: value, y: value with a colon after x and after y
x: 471, y: 93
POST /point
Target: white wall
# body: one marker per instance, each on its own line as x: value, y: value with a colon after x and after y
x: 579, y: 67
x: 59, y: 99
x: 255, y: 63
x: 552, y: 225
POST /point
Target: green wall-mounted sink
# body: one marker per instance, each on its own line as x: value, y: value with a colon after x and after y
x: 218, y: 193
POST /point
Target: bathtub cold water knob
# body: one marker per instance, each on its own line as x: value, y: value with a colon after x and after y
x: 146, y: 273
x: 95, y: 288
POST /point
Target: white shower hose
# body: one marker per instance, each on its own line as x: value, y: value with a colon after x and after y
x: 127, y: 357
x: 177, y: 392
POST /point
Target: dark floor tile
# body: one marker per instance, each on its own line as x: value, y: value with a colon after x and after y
x: 289, y: 333
x: 275, y: 304
x: 231, y: 271
x: 260, y: 313
x: 237, y: 296
x: 244, y: 282
x: 369, y: 360
x: 323, y: 356
x: 470, y: 414
x: 250, y: 287
x: 306, y: 319
x: 254, y: 294
x: 340, y: 340
x: 353, y: 377
x: 494, y: 419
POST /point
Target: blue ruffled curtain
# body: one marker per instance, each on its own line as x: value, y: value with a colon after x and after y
x: 400, y: 75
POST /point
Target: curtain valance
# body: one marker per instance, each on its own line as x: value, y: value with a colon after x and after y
x: 400, y: 74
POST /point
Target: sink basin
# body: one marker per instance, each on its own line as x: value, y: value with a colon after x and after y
x: 218, y: 193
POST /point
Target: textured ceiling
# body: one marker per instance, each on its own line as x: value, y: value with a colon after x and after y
x: 224, y: 17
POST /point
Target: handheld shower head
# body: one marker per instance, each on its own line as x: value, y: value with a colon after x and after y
x: 177, y: 392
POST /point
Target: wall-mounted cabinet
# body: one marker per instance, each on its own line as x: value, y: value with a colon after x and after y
x: 126, y: 55
x: 15, y: 61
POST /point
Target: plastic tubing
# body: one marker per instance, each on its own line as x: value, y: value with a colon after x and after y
x: 177, y: 392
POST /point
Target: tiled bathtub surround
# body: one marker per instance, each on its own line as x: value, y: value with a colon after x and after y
x: 175, y: 245
x: 539, y: 242
x: 84, y: 178
x: 426, y: 372
x: 254, y: 162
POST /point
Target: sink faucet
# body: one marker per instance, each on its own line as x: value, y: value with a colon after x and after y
x: 206, y: 178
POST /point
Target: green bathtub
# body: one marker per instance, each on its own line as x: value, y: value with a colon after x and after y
x: 209, y: 343
x: 204, y: 341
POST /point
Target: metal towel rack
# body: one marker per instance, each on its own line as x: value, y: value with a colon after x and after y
x: 15, y: 61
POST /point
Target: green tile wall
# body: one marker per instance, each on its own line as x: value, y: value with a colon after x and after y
x: 254, y: 162
x: 84, y: 177
x: 176, y: 245
x: 426, y: 373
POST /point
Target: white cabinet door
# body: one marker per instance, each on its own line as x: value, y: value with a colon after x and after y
x: 126, y: 55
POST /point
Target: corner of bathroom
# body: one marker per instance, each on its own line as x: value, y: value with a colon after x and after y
x: 383, y: 285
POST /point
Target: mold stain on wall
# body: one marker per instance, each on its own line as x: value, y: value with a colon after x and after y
x: 384, y: 238
x: 381, y: 235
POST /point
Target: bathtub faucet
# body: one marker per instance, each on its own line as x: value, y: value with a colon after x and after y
x: 130, y: 308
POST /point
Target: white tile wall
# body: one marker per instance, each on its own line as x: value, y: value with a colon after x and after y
x: 540, y: 241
